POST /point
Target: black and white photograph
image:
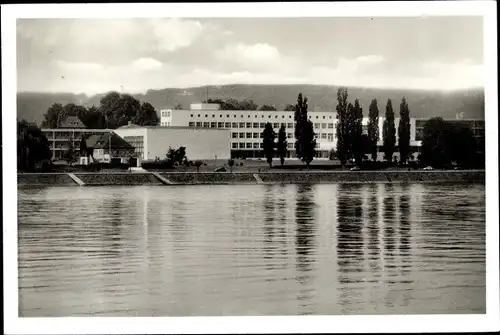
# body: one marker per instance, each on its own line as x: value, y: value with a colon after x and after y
x: 285, y: 164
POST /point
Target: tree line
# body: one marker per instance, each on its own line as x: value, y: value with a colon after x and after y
x: 353, y: 144
x: 245, y: 104
x: 115, y: 110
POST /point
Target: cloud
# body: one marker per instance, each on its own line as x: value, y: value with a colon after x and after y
x: 242, y: 56
x: 146, y: 64
x: 175, y: 34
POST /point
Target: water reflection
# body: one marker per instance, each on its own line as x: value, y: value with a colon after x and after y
x: 252, y: 250
x: 305, y: 243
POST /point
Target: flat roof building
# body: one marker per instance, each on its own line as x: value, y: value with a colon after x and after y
x: 153, y: 142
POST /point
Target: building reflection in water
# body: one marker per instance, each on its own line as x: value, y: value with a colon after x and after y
x: 269, y: 218
x: 373, y: 230
x: 405, y: 241
x: 305, y: 245
x: 350, y: 245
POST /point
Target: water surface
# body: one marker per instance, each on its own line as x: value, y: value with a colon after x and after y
x: 252, y: 250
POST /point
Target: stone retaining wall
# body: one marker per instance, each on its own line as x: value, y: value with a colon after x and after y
x: 209, y: 178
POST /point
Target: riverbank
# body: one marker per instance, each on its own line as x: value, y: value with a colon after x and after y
x: 225, y: 178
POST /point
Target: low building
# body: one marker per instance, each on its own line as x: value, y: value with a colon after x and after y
x: 153, y: 142
x: 104, y: 147
x: 71, y: 130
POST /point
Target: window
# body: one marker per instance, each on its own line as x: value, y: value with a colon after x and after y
x: 324, y: 117
x: 330, y: 137
x: 276, y: 125
x: 234, y: 145
x: 323, y: 136
x: 191, y: 115
x: 241, y: 115
x: 261, y: 145
x: 262, y: 125
x: 317, y: 117
x: 261, y: 135
x: 283, y: 125
x: 288, y: 135
x: 227, y: 115
x: 330, y: 117
x: 213, y: 115
x: 249, y: 135
x: 330, y: 125
x: 316, y: 125
x: 249, y: 115
x: 220, y: 124
x: 255, y: 125
x: 242, y: 135
x: 234, y: 135
x: 228, y: 125
x: 234, y: 115
x: 242, y: 145
x: 198, y: 115
x: 213, y: 124
x: 249, y: 125
x: 276, y: 117
x: 242, y: 124
x: 323, y: 125
x: 206, y: 124
x: 290, y: 145
x: 262, y: 116
x: 206, y: 115
x: 289, y: 125
x: 235, y: 125
x: 191, y: 124
x: 220, y: 116
x: 249, y: 145
x: 269, y: 117
x: 198, y: 124
x: 289, y: 116
x: 256, y: 145
x: 255, y: 135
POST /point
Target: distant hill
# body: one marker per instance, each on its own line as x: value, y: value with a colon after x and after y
x: 32, y: 105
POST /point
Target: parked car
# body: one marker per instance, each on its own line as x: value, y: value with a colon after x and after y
x: 428, y: 168
x: 355, y: 168
x: 220, y: 169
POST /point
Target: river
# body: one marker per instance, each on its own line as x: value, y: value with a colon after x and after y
x: 363, y: 249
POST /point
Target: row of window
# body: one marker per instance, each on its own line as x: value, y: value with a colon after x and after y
x: 260, y: 125
x: 323, y: 136
x: 269, y: 116
x: 254, y: 145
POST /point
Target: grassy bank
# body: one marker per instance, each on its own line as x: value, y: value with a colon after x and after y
x: 219, y: 178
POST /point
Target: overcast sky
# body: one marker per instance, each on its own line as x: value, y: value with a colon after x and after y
x: 92, y: 55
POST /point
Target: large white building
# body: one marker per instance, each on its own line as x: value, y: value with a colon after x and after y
x: 246, y: 127
x: 153, y: 142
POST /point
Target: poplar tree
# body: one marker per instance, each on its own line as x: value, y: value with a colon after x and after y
x: 389, y: 132
x: 373, y: 131
x: 404, y: 131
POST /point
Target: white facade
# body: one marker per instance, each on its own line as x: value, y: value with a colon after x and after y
x: 153, y: 142
x: 246, y: 126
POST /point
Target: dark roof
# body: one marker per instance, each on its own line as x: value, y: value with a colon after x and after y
x: 72, y: 122
x: 102, y: 141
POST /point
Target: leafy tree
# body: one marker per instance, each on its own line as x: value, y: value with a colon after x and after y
x: 332, y: 155
x: 93, y: 119
x: 282, y: 145
x: 198, y: 164
x: 389, y: 132
x: 305, y: 144
x: 436, y: 150
x: 357, y: 132
x: 248, y: 104
x: 118, y: 109
x: 171, y: 155
x: 342, y: 130
x: 180, y: 154
x: 267, y: 108
x: 463, y: 145
x: 268, y: 141
x: 404, y: 132
x: 32, y: 146
x: 230, y: 163
x: 51, y: 117
x: 373, y: 132
x: 147, y: 115
x: 289, y: 108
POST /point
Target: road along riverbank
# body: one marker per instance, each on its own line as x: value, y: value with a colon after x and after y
x: 225, y: 178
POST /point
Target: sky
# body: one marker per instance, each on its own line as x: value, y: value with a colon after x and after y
x: 133, y: 55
